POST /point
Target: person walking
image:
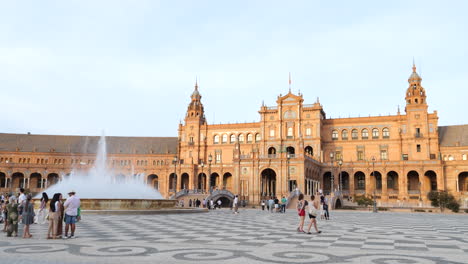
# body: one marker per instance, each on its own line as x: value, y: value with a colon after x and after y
x: 53, y: 217
x: 21, y: 197
x: 325, y: 208
x: 276, y: 201
x: 271, y: 204
x: 219, y: 204
x: 262, y: 203
x: 12, y: 209
x: 236, y: 204
x: 313, y: 212
x: 212, y: 204
x: 27, y: 216
x: 284, y: 201
x: 71, y: 212
x: 5, y: 212
x: 41, y: 215
x: 190, y: 203
x: 301, y: 206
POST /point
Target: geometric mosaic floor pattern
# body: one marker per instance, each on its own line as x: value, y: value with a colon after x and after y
x: 253, y: 236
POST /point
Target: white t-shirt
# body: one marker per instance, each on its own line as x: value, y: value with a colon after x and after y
x: 71, y: 205
x: 235, y: 201
x: 21, y: 198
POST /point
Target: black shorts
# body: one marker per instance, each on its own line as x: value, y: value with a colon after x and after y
x: 312, y: 216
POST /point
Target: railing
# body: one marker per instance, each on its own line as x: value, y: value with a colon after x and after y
x: 414, y: 192
x: 359, y: 192
x: 245, y: 157
x: 187, y: 192
x: 418, y: 135
x: 393, y: 192
x: 272, y: 107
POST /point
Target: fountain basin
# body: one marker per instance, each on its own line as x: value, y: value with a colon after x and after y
x: 127, y: 204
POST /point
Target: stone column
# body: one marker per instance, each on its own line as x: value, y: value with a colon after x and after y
x: 384, y: 195
x: 368, y: 184
x: 351, y: 185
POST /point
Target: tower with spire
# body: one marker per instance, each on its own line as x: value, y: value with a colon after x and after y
x: 195, y: 110
x: 415, y: 94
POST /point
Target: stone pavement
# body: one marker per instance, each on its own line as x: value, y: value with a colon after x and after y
x: 252, y: 236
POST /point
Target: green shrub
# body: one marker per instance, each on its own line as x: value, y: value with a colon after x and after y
x: 363, y: 200
x: 466, y: 211
x: 383, y: 209
x: 443, y: 199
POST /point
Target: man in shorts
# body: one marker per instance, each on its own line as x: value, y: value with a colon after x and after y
x: 71, y: 212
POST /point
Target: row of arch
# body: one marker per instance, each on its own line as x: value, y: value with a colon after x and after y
x: 223, y: 139
x: 35, y: 180
x: 203, y: 182
x: 415, y: 183
x: 291, y: 150
x: 364, y: 133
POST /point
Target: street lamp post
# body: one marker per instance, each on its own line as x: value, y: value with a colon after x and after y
x: 288, y: 182
x: 340, y: 186
x: 332, y: 177
x: 202, y: 184
x: 210, y: 159
x: 174, y: 180
x: 375, y: 187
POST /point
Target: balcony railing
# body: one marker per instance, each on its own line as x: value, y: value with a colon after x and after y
x: 418, y: 135
x: 414, y: 192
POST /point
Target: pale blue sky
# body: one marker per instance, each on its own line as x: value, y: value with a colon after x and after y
x: 128, y: 67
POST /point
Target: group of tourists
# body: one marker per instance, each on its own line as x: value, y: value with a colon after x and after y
x: 318, y: 204
x: 210, y: 204
x: 274, y: 204
x: 20, y: 209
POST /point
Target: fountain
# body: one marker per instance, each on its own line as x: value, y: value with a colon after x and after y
x: 99, y: 189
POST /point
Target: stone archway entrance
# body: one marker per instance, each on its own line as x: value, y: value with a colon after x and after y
x: 268, y: 183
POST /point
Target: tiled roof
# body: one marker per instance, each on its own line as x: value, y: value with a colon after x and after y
x: 453, y: 136
x: 87, y: 144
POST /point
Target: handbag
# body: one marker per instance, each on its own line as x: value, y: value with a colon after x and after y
x: 312, y: 210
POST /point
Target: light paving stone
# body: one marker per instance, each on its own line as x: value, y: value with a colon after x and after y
x: 249, y: 237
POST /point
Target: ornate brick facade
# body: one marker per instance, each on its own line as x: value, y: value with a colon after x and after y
x: 398, y: 158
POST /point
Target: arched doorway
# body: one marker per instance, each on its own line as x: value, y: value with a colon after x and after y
x: 2, y: 180
x: 463, y: 181
x: 360, y: 182
x: 268, y: 182
x: 184, y: 181
x: 309, y: 150
x: 376, y: 180
x: 227, y: 181
x: 214, y: 180
x: 201, y: 181
x: 327, y: 183
x: 413, y: 182
x: 52, y: 179
x: 290, y: 150
x: 17, y: 180
x: 225, y: 202
x: 430, y: 180
x: 345, y: 181
x: 153, y: 181
x: 35, y: 181
x: 392, y: 183
x: 172, y: 182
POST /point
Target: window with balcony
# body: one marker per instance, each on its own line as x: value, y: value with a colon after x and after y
x: 386, y: 133
x: 344, y: 134
x: 375, y: 133
x: 290, y: 132
x: 233, y: 139
x: 224, y: 139
x: 308, y: 131
x: 383, y: 154
x: 241, y: 138
x: 334, y: 135
x: 272, y: 132
x: 365, y: 133
x: 354, y: 134
x: 360, y: 155
x: 405, y: 156
x: 258, y: 137
x: 249, y: 138
x: 418, y: 148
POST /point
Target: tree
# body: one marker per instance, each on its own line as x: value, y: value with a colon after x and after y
x: 363, y: 200
x: 443, y: 199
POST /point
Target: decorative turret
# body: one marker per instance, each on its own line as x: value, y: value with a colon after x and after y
x: 415, y: 94
x: 195, y: 110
